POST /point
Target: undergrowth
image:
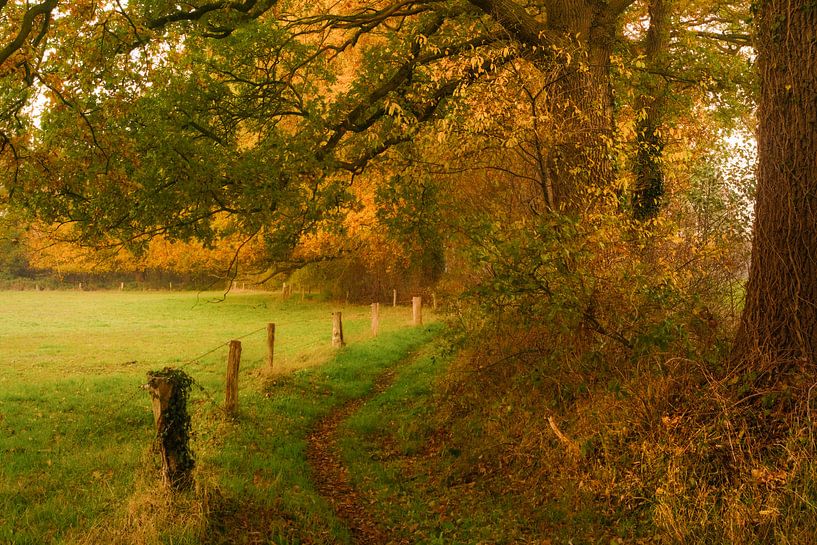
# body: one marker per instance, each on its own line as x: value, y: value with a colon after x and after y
x: 593, y: 384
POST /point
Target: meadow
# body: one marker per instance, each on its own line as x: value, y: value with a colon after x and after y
x: 76, y: 426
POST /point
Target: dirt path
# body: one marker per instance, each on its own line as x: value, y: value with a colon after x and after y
x: 331, y: 477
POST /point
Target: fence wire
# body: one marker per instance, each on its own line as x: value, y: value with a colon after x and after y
x: 285, y: 345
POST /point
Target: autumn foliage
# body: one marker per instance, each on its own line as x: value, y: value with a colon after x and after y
x: 574, y: 178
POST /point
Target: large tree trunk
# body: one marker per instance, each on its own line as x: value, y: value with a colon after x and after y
x: 779, y: 322
x: 648, y: 167
x: 582, y: 100
x: 577, y: 39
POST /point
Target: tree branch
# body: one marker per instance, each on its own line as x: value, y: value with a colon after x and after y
x: 519, y: 23
x: 617, y: 7
x: 197, y: 13
x: 27, y: 27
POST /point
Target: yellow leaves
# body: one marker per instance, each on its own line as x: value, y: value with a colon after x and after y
x: 770, y: 477
x: 678, y: 154
x: 395, y: 110
x: 670, y: 421
x: 476, y: 63
x: 47, y: 249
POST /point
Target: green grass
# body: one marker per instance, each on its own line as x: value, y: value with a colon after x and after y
x: 76, y: 427
x: 399, y: 458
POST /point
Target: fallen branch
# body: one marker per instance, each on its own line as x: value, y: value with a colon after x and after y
x: 570, y: 445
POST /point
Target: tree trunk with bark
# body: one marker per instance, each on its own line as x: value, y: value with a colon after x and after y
x: 576, y: 38
x: 582, y: 100
x: 779, y: 321
x: 648, y: 167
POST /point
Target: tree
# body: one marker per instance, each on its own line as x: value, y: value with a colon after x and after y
x: 649, y: 182
x: 33, y: 21
x: 163, y: 117
x: 23, y: 27
x: 779, y: 321
x: 582, y: 35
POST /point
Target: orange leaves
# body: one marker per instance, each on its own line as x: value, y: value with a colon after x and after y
x: 52, y: 249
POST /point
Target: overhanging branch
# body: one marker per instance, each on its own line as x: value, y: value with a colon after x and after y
x: 27, y: 27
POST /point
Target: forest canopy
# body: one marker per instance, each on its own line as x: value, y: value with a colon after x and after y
x: 276, y: 123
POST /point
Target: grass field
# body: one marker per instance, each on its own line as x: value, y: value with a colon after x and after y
x: 76, y: 427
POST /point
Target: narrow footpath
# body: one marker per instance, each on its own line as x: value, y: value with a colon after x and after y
x: 331, y: 476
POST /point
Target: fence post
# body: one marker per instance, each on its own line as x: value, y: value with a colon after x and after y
x: 233, y: 361
x: 337, y: 330
x: 168, y: 391
x: 434, y: 302
x: 394, y: 298
x: 270, y: 345
x: 121, y: 286
x: 375, y: 318
x: 417, y: 310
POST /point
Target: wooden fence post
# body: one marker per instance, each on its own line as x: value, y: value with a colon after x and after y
x: 375, y: 318
x: 337, y: 331
x: 434, y: 302
x: 121, y: 286
x: 168, y: 391
x: 417, y: 310
x: 270, y: 345
x: 233, y: 361
x: 394, y: 298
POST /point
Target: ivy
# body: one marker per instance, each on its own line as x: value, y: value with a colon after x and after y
x: 173, y: 435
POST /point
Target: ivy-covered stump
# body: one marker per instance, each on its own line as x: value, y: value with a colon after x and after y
x: 169, y: 390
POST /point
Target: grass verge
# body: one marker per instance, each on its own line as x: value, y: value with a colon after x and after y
x: 400, y: 458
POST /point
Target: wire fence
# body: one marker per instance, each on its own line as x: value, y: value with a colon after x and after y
x: 290, y: 348
x: 209, y: 396
x: 353, y: 314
